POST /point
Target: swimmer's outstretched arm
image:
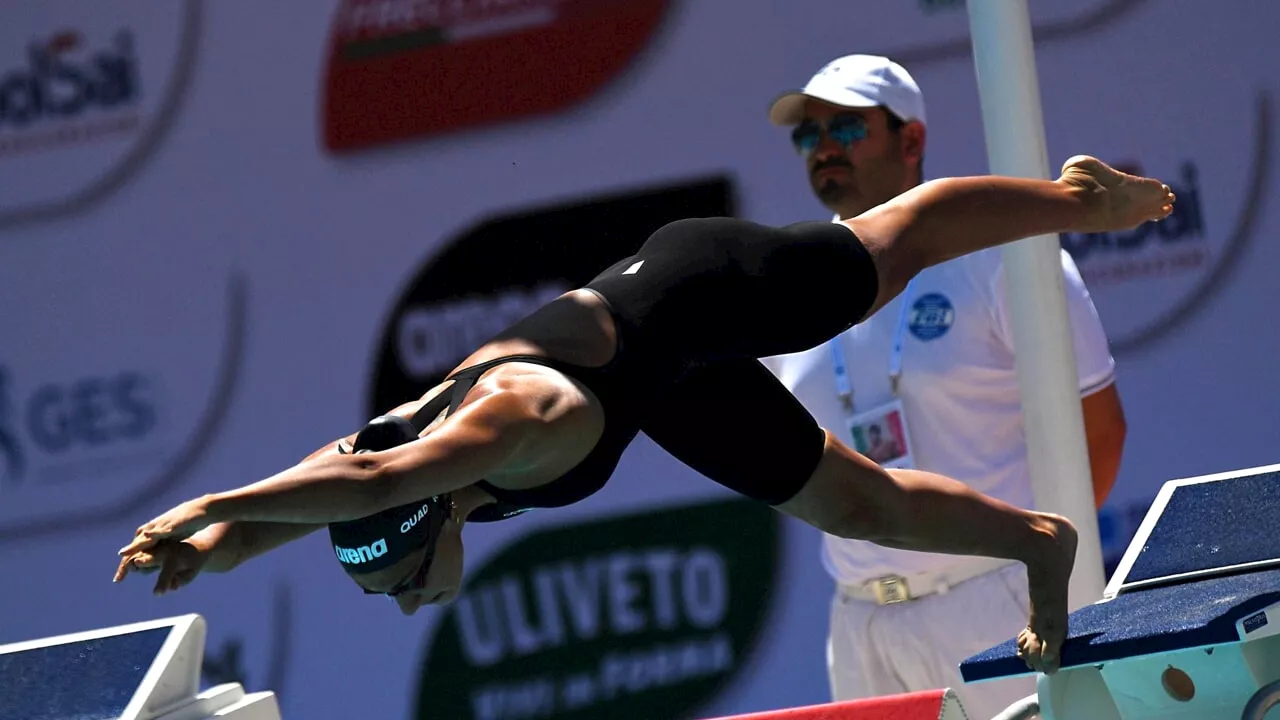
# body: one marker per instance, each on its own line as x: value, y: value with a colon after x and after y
x: 231, y: 544
x: 219, y: 548
x: 487, y: 435
x: 482, y: 438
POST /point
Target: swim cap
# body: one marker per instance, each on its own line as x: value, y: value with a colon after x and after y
x: 377, y: 541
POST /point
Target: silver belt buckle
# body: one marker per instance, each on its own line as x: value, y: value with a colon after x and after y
x: 891, y: 589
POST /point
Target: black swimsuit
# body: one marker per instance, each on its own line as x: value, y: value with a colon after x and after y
x: 587, y: 476
x: 694, y: 309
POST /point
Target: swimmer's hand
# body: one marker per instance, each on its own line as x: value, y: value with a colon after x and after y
x: 179, y: 523
x: 178, y: 563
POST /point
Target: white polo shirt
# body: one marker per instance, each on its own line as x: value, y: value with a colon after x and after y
x: 958, y: 386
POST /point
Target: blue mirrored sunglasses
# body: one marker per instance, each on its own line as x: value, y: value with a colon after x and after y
x: 843, y: 129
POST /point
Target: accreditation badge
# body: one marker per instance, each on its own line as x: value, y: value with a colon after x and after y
x: 881, y: 434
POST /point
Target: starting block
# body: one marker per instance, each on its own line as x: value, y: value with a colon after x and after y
x: 142, y: 671
x: 1189, y: 625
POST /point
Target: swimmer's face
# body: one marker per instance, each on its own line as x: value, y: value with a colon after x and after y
x: 438, y: 586
x: 860, y: 160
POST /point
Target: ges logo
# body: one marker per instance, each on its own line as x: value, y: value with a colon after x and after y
x: 60, y: 422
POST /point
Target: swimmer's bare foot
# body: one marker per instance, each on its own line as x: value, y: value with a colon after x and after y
x: 1116, y: 200
x: 1040, y: 644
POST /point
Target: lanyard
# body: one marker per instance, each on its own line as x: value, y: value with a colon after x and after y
x: 844, y: 388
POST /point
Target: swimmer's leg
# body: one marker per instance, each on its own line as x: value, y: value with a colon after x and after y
x: 710, y: 289
x: 944, y: 219
x: 736, y: 424
x: 850, y: 496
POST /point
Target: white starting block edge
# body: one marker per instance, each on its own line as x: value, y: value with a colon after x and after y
x: 1117, y: 583
x: 1230, y: 673
x: 170, y: 689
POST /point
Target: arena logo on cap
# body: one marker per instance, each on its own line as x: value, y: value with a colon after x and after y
x: 461, y: 297
x: 87, y: 89
x: 640, y: 616
x: 399, y: 69
x: 363, y: 554
x: 1148, y: 281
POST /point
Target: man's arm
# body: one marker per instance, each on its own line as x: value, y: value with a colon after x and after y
x: 1104, y: 421
x: 1104, y: 430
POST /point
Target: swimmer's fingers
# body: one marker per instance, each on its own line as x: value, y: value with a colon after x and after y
x: 171, y: 578
x: 144, y: 562
x: 179, y: 523
x: 167, y: 579
x: 182, y: 562
x: 123, y: 569
x: 143, y: 540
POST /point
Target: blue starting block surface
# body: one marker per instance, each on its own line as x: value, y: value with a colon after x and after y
x: 1206, y: 556
x: 87, y: 678
x: 120, y: 673
x: 1205, y: 527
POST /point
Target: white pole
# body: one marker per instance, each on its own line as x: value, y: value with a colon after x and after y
x: 1004, y: 59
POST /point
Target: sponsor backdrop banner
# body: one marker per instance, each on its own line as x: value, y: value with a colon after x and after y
x: 228, y: 236
x: 645, y: 615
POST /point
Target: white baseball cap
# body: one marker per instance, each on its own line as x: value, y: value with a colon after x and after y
x: 855, y: 81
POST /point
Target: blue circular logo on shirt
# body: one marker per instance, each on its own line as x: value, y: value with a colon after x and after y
x: 931, y: 316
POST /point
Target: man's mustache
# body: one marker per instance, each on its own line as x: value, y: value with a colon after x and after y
x: 835, y: 162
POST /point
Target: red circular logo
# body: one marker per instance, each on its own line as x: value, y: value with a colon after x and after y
x: 400, y: 69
